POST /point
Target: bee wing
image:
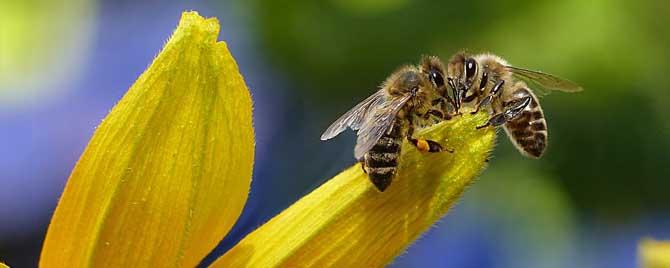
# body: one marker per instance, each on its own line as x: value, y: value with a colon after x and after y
x: 546, y: 82
x: 354, y: 117
x: 378, y: 122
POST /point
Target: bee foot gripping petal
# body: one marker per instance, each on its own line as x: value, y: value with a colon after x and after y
x: 433, y: 146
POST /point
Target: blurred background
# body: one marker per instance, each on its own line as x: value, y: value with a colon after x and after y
x: 601, y: 186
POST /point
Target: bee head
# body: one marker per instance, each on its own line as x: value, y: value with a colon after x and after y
x: 463, y: 70
x: 433, y: 68
x: 461, y: 74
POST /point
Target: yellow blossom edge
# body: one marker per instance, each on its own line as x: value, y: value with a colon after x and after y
x: 166, y: 174
x: 3, y: 265
x: 346, y: 222
x: 653, y: 253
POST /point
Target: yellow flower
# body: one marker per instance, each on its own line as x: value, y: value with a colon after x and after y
x: 653, y: 253
x: 346, y: 222
x: 167, y: 173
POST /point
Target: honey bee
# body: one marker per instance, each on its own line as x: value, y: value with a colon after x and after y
x: 504, y: 89
x: 409, y: 97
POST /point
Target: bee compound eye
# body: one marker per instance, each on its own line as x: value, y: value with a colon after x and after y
x: 436, y: 78
x: 470, y: 68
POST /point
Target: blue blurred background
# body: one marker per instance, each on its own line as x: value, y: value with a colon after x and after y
x: 602, y: 185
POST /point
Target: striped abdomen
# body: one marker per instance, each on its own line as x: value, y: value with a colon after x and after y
x: 528, y: 131
x: 381, y: 162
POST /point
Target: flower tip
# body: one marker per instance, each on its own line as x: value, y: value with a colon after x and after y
x: 150, y: 185
x: 194, y: 18
x: 192, y: 26
x: 654, y: 253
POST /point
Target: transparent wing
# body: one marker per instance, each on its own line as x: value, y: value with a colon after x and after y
x: 546, y: 82
x: 377, y: 122
x: 353, y: 118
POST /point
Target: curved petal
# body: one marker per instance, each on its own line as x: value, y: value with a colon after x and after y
x: 653, y: 253
x: 166, y: 174
x: 348, y: 223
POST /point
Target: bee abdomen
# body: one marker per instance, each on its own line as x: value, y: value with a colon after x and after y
x: 528, y: 131
x: 381, y: 162
x: 534, y: 145
x: 386, y: 144
x: 382, y: 177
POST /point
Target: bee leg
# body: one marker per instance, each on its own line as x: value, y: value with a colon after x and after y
x: 424, y: 145
x: 449, y: 112
x: 464, y: 92
x: 487, y: 100
x: 471, y: 97
x: 495, y: 120
x: 456, y: 101
x: 362, y: 161
x: 512, y: 110
x: 439, y: 102
x: 449, y: 101
x: 430, y: 146
x: 437, y: 113
x: 442, y: 104
x: 476, y: 92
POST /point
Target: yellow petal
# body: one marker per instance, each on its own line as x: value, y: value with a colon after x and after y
x: 167, y: 172
x: 654, y: 254
x: 3, y: 265
x: 348, y: 223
